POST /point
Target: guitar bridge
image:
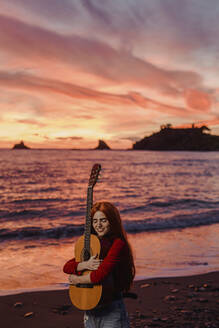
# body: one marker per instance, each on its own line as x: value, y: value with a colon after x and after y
x: 84, y: 285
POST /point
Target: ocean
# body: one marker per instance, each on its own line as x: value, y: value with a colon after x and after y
x: 169, y: 204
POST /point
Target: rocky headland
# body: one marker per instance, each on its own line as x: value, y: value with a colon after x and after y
x: 169, y: 138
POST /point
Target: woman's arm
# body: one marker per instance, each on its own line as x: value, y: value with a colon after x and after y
x: 92, y: 264
x: 105, y: 268
x: 73, y: 267
x: 74, y: 279
x: 116, y: 252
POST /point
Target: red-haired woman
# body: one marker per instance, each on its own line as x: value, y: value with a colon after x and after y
x: 115, y: 269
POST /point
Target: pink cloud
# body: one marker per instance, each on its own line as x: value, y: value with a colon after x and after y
x: 198, y: 100
x: 91, y: 56
x: 69, y: 138
x: 31, y: 122
x: 29, y: 82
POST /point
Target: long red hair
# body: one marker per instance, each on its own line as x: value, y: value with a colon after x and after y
x: 117, y: 231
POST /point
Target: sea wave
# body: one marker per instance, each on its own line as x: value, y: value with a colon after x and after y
x: 176, y: 222
x: 134, y: 226
x: 179, y: 203
x: 48, y: 213
x: 55, y: 208
x: 65, y: 231
x: 37, y: 200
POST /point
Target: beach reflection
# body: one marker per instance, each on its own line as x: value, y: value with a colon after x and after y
x: 168, y: 253
x: 176, y: 252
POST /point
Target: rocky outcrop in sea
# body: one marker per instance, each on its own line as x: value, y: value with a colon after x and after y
x: 102, y: 145
x: 20, y: 145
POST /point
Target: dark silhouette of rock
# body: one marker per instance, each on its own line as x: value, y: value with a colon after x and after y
x: 20, y: 145
x: 102, y: 145
x: 168, y: 138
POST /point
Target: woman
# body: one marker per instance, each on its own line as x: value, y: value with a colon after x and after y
x: 115, y: 269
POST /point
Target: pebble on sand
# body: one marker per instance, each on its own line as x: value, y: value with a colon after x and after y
x: 145, y: 285
x: 28, y: 314
x: 18, y: 304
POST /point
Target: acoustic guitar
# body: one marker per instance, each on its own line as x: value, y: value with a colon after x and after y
x: 87, y: 296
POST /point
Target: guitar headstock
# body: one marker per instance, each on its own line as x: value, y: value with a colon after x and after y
x: 94, y: 175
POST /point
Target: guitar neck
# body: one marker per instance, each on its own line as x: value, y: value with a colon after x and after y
x: 87, y: 229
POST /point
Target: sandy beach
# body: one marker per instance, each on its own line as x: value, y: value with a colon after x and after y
x: 180, y: 302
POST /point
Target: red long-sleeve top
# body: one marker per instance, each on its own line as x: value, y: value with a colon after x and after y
x: 114, y: 261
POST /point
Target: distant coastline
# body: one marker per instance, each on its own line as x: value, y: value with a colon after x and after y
x: 167, y: 139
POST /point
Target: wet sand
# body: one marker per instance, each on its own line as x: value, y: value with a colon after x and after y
x: 181, y: 302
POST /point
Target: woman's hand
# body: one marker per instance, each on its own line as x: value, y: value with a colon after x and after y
x: 73, y: 279
x: 93, y: 263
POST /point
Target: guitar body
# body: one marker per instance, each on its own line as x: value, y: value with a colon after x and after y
x: 86, y: 298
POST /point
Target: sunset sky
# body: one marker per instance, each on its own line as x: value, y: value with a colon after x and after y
x: 75, y: 71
